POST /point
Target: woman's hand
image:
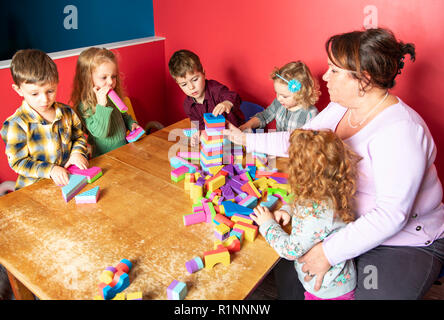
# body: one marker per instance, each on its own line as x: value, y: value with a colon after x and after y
x: 235, y: 135
x: 261, y: 215
x: 222, y: 107
x: 315, y: 264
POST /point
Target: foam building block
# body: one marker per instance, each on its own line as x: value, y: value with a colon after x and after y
x: 249, y: 202
x: 178, y: 174
x: 189, y: 132
x: 232, y: 208
x: 112, y: 95
x: 92, y: 174
x: 177, y: 290
x: 221, y: 231
x: 90, y: 196
x: 233, y: 244
x: 249, y: 229
x: 134, y: 295
x: 75, y: 184
x: 194, y: 265
x: 177, y: 162
x: 220, y: 255
x: 270, y: 203
x: 120, y: 280
x: 135, y: 134
x: 239, y: 217
x: 218, y: 219
x: 193, y: 218
x: 119, y: 296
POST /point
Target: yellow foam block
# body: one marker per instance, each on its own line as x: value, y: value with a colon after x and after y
x: 216, y: 183
x: 237, y: 218
x: 211, y: 258
x: 222, y: 228
x: 250, y: 231
x: 215, y: 170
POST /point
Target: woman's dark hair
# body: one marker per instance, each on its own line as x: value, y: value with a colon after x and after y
x: 376, y: 52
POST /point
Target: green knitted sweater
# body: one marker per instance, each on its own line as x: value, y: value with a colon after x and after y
x: 106, y: 128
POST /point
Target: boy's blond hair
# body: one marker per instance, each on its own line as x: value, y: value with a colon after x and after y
x: 183, y: 62
x: 309, y: 93
x: 33, y: 66
x: 88, y: 61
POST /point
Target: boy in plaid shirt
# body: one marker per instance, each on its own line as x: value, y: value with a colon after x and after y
x: 43, y: 137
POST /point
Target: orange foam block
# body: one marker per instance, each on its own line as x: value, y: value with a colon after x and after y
x: 250, y: 189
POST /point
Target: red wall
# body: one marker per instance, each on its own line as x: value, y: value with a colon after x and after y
x: 143, y: 76
x: 239, y: 43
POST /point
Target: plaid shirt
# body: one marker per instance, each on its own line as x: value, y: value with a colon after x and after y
x: 285, y: 120
x: 34, y: 145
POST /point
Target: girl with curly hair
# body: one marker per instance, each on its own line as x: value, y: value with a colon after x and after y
x: 322, y: 177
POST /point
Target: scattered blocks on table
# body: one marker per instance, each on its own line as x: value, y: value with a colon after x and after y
x: 219, y: 218
x: 135, y: 134
x: 75, y: 184
x: 249, y: 202
x: 194, y: 265
x: 232, y: 208
x: 178, y: 174
x: 240, y: 217
x: 177, y: 290
x: 233, y: 244
x: 220, y: 255
x: 90, y: 196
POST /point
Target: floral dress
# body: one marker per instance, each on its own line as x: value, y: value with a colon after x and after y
x: 310, y: 225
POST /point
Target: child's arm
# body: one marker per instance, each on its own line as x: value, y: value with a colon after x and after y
x: 98, y: 124
x: 305, y: 233
x: 16, y: 150
x: 268, y: 115
x: 253, y: 123
x: 130, y: 123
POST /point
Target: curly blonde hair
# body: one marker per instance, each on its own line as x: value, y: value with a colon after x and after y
x: 83, y: 92
x: 322, y: 167
x: 309, y: 93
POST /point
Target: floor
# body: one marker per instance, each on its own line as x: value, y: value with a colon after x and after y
x: 267, y: 290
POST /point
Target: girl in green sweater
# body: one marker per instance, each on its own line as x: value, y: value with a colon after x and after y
x: 97, y: 73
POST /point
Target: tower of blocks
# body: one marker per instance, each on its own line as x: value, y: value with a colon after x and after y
x: 211, y: 150
x: 114, y: 280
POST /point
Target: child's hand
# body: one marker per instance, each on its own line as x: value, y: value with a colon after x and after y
x: 222, y: 107
x: 195, y: 139
x: 102, y: 94
x: 282, y: 215
x: 134, y: 126
x: 235, y: 135
x: 78, y: 159
x: 59, y: 175
x: 261, y: 215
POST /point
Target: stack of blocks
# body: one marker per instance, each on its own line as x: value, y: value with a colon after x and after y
x: 211, y: 151
x: 114, y: 280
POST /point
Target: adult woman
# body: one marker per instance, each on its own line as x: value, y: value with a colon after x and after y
x: 396, y: 239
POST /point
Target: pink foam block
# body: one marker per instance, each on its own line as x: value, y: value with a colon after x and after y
x: 194, y: 218
x: 89, y: 173
x: 117, y: 101
x: 179, y: 171
x: 135, y: 134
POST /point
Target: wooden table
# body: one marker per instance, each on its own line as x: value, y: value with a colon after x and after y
x: 58, y: 250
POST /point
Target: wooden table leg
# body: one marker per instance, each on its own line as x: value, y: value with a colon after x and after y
x: 19, y: 290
